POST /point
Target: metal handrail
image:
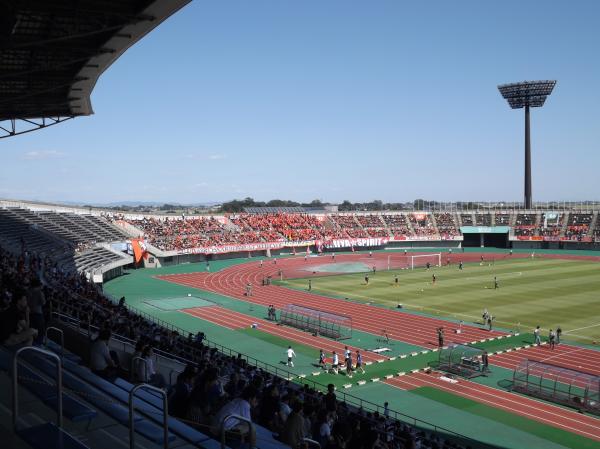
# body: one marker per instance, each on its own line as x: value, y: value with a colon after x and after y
x: 312, y: 442
x: 62, y: 337
x: 15, y: 393
x: 133, y: 372
x: 165, y: 414
x: 239, y: 418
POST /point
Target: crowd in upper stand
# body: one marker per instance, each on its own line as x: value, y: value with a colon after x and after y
x: 181, y: 233
x: 446, y: 224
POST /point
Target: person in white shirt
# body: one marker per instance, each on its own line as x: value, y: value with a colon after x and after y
x: 290, y: 354
x: 100, y: 361
x: 241, y: 406
x: 335, y: 362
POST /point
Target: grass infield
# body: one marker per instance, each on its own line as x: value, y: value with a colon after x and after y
x: 548, y: 292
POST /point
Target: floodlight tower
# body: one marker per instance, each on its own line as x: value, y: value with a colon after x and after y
x: 525, y: 95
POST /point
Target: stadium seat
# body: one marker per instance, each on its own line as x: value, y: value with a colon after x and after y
x: 73, y: 409
x: 49, y: 436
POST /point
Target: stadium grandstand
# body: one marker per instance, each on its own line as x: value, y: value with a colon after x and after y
x: 208, y: 346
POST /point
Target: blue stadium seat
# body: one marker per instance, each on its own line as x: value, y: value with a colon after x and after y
x: 72, y: 408
x: 49, y: 436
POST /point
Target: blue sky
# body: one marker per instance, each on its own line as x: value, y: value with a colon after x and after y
x: 334, y: 100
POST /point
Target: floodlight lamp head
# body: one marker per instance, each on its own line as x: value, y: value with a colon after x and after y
x: 527, y: 93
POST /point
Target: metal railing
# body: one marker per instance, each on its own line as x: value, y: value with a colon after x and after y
x: 59, y: 388
x: 223, y: 432
x: 62, y: 338
x: 132, y: 413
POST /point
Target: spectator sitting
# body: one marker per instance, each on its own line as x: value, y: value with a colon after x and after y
x: 147, y: 371
x: 101, y: 361
x: 293, y: 430
x: 241, y: 406
x: 15, y: 328
x: 36, y: 301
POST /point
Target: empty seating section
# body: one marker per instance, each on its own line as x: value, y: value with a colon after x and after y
x: 446, y: 225
x: 18, y: 233
x: 97, y: 257
x: 80, y: 230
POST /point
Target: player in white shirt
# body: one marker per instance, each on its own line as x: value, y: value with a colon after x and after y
x: 290, y: 354
x: 335, y: 362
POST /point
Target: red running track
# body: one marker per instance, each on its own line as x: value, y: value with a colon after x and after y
x: 530, y: 408
x: 401, y: 326
x: 567, y: 356
x: 235, y: 320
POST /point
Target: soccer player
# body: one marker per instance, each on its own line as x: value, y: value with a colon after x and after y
x: 349, y: 365
x: 346, y: 354
x: 481, y: 263
x: 290, y: 354
x: 367, y: 279
x: 496, y: 286
x: 374, y: 269
x: 359, y: 362
x: 309, y: 285
x: 433, y: 279
x: 460, y: 265
x: 261, y: 263
x: 558, y: 334
x: 536, y: 334
x: 440, y: 332
x: 396, y: 280
x: 322, y: 362
x: 552, y: 338
x: 335, y: 362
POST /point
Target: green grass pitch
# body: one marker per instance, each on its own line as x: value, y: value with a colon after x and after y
x: 548, y: 292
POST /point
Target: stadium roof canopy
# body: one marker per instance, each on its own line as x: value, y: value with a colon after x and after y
x: 52, y: 53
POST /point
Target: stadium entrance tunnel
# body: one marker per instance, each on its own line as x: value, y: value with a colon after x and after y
x: 478, y: 239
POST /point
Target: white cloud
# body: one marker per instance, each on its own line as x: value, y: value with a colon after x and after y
x: 216, y: 157
x: 44, y: 154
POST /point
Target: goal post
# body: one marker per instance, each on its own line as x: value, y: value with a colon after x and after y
x: 421, y: 260
x: 395, y: 262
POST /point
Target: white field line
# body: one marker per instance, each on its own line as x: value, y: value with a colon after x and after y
x: 580, y: 328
